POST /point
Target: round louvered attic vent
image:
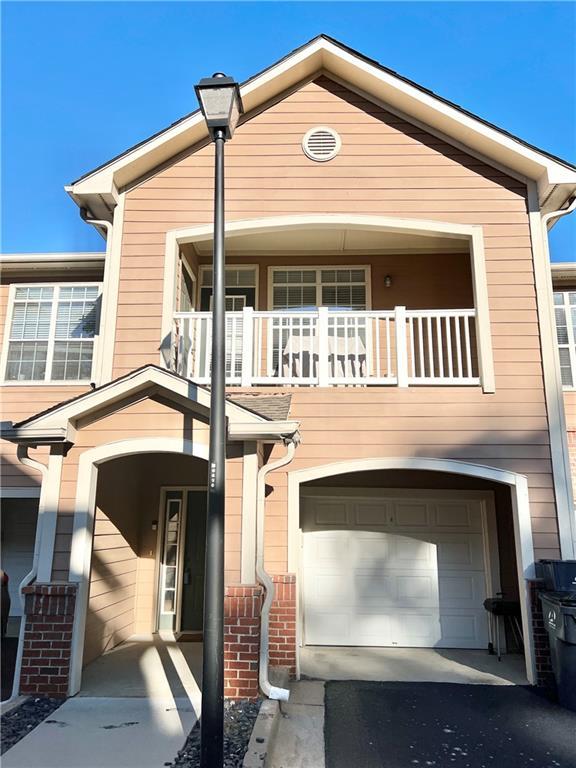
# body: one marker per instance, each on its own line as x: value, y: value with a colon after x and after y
x: 321, y: 144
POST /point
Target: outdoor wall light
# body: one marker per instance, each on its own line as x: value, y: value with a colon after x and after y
x: 220, y: 102
x: 388, y: 281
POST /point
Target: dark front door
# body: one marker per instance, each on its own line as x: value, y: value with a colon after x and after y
x: 194, y: 549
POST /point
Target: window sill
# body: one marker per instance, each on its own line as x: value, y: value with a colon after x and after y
x: 64, y: 383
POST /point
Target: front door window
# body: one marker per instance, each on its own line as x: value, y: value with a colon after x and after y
x: 181, y: 587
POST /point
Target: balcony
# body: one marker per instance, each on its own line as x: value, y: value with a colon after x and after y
x: 325, y: 347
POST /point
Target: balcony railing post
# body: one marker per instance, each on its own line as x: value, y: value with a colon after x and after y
x: 323, y: 347
x: 401, y: 346
x: 247, y: 346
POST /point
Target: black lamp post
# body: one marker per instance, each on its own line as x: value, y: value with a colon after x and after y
x: 221, y: 104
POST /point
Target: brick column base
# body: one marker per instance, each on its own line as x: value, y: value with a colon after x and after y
x: 242, y: 607
x: 49, y: 616
x: 542, y: 657
x: 283, y: 623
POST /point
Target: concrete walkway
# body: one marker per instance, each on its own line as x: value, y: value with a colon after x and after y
x: 427, y: 665
x: 299, y: 741
x: 106, y: 733
x: 137, y: 706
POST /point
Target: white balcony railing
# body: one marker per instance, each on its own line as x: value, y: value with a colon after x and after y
x: 327, y: 348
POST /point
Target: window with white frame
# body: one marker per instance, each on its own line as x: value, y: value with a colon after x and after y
x: 320, y: 287
x: 52, y: 330
x: 565, y: 311
x: 240, y: 282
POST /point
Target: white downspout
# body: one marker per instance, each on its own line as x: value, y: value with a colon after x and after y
x: 263, y: 577
x: 109, y: 227
x: 22, y: 453
x: 545, y: 219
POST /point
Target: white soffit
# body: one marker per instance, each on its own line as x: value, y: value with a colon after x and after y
x: 352, y: 241
x: 323, y: 55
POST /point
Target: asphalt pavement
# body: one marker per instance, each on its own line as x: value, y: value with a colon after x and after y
x: 440, y: 725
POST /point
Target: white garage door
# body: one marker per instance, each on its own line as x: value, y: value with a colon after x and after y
x: 394, y: 572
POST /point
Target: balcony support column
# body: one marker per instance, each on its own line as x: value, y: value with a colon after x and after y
x: 401, y: 346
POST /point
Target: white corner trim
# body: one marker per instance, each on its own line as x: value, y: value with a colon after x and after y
x: 109, y: 314
x: 249, y: 483
x: 481, y: 303
x: 49, y: 509
x: 561, y: 471
x: 84, y: 510
x: 517, y: 483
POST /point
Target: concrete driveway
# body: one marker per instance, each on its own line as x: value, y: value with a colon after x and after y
x: 436, y: 725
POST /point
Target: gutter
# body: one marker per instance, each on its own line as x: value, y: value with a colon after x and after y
x: 23, y: 457
x: 269, y: 690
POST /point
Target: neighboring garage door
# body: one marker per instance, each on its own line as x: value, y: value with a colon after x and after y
x: 394, y: 571
x: 18, y: 534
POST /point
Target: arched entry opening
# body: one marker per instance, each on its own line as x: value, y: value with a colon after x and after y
x: 402, y: 554
x: 138, y: 558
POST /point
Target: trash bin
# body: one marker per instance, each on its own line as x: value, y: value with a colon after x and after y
x: 558, y: 575
x: 559, y: 609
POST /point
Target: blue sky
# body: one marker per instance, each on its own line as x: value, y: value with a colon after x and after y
x: 83, y: 81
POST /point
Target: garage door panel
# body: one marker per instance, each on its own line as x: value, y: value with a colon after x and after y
x: 324, y: 626
x: 330, y: 513
x: 463, y: 630
x: 374, y: 589
x: 461, y: 590
x: 411, y: 585
x: 461, y: 516
x: 412, y: 514
x: 460, y: 552
x: 371, y: 513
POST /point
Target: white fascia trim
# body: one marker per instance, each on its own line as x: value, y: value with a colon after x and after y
x: 48, y: 258
x: 561, y: 470
x: 117, y: 391
x: 321, y: 55
x: 33, y: 435
x: 517, y: 483
x: 274, y: 431
x: 449, y: 120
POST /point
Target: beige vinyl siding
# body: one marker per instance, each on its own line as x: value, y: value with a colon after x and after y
x: 19, y: 401
x: 139, y: 420
x: 386, y: 167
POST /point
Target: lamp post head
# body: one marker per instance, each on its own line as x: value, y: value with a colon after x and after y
x: 220, y: 102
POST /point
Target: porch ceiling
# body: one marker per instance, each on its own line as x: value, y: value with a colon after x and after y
x: 333, y: 240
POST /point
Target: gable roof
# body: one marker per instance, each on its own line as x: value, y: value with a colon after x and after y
x: 57, y: 423
x: 556, y: 178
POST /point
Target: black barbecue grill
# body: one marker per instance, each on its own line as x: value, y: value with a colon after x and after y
x: 509, y: 610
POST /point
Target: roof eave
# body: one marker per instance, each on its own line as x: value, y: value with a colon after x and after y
x: 323, y: 54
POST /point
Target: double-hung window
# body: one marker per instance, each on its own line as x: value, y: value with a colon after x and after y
x: 52, y: 332
x: 565, y: 311
x: 310, y: 288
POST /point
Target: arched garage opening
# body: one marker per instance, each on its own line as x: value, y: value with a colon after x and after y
x: 138, y: 557
x: 401, y: 554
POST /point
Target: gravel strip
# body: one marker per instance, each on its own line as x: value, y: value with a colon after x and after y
x: 18, y: 722
x: 239, y: 719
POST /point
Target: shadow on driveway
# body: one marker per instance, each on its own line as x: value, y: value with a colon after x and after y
x: 439, y: 725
